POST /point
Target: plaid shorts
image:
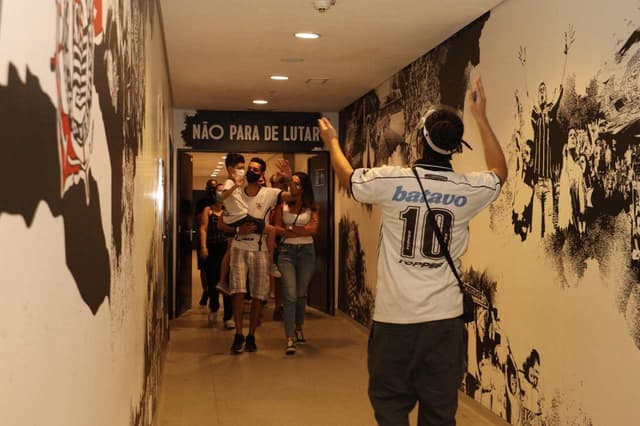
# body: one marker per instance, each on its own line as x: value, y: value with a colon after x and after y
x: 255, y: 265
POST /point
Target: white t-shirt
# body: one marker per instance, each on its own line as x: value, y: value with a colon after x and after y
x: 288, y: 218
x: 258, y: 207
x: 415, y: 282
x: 235, y: 206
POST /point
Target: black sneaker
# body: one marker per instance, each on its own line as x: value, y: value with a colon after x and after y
x: 204, y: 298
x: 277, y: 315
x: 250, y: 344
x: 238, y: 340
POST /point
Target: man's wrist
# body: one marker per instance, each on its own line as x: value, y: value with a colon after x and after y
x: 482, y: 119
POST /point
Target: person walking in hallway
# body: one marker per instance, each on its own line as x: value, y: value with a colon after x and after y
x: 297, y: 223
x: 416, y: 345
x: 212, y: 250
x: 249, y: 206
x: 207, y: 201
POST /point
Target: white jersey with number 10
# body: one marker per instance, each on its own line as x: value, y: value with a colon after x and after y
x: 415, y: 282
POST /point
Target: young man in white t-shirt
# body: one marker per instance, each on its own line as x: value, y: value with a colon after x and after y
x: 247, y: 208
x: 416, y: 347
x: 236, y: 209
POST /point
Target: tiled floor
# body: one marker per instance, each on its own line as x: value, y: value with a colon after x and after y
x: 323, y: 384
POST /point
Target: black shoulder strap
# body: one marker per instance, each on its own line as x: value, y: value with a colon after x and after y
x: 436, y: 229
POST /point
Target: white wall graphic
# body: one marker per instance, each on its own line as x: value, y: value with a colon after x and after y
x: 558, y: 255
x: 84, y: 112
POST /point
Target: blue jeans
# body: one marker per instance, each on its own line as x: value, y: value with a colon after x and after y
x: 297, y: 263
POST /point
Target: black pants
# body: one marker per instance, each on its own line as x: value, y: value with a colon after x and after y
x: 411, y: 363
x: 212, y: 267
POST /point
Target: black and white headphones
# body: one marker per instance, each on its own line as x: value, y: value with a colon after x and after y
x: 431, y: 143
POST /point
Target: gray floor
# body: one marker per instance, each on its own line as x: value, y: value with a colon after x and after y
x: 324, y: 383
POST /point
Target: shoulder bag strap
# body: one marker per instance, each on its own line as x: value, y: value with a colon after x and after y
x: 438, y: 233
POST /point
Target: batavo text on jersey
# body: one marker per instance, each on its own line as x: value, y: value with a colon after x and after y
x: 433, y: 197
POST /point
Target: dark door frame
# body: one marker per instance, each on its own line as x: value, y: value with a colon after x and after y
x: 292, y: 148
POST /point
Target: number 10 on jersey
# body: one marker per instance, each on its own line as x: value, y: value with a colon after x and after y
x: 429, y: 245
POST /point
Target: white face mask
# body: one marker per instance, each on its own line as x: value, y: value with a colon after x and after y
x: 240, y: 172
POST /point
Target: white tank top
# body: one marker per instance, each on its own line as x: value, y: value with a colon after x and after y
x: 289, y: 218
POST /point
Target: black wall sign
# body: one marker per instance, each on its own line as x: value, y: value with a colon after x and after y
x: 252, y: 130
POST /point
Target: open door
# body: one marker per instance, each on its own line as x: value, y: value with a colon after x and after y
x: 321, y: 288
x: 185, y: 234
x: 168, y: 236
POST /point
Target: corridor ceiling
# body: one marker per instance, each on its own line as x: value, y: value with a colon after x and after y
x: 222, y: 53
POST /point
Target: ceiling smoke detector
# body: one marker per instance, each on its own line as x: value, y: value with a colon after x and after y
x: 323, y: 5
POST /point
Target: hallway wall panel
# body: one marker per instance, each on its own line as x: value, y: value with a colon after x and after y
x: 85, y: 122
x: 561, y: 340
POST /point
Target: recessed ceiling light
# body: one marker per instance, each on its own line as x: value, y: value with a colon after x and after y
x: 260, y: 102
x: 279, y: 77
x: 307, y: 36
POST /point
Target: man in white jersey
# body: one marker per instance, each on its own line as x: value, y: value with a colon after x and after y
x: 249, y: 208
x: 416, y: 346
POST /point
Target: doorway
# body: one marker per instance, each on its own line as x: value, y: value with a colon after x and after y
x: 195, y: 167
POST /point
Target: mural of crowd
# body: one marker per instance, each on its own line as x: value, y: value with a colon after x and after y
x: 577, y: 155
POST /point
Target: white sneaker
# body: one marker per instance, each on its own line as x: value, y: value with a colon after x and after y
x: 212, y: 318
x: 291, y: 347
x: 229, y: 324
x: 275, y: 272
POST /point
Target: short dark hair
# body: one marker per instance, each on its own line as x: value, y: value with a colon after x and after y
x: 445, y: 129
x: 260, y: 161
x: 233, y: 159
x: 210, y: 183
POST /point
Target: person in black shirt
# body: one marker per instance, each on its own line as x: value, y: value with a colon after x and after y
x: 213, y: 246
x: 206, y: 201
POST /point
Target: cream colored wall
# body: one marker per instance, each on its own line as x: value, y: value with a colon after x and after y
x: 62, y: 364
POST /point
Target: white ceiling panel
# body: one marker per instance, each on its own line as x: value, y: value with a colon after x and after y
x: 221, y: 53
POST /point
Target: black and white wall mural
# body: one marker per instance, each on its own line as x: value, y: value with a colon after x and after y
x: 77, y: 126
x: 558, y: 254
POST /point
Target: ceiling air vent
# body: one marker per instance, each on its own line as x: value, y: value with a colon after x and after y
x: 317, y: 81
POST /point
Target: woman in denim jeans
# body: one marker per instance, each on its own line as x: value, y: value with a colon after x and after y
x: 297, y: 223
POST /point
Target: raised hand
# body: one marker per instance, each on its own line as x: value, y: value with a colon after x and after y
x: 477, y: 100
x: 284, y: 168
x: 327, y: 132
x: 522, y: 55
x: 569, y: 39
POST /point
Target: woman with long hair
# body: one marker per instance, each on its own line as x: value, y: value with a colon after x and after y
x: 297, y: 223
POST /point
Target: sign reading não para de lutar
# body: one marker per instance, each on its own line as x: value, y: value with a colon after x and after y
x: 215, y: 129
